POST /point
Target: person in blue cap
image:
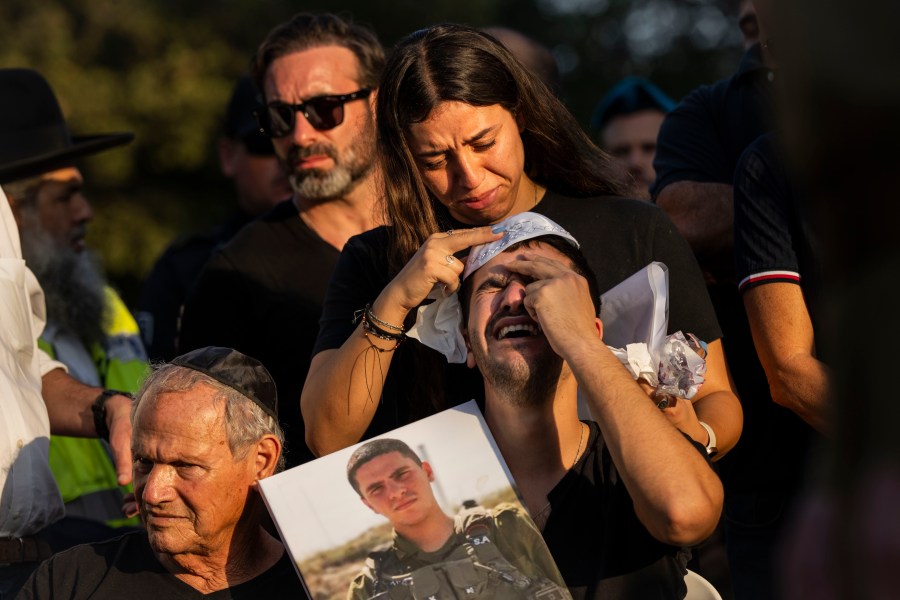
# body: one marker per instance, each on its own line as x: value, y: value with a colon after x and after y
x: 626, y: 121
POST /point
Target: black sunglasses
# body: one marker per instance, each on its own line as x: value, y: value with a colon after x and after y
x: 322, y: 112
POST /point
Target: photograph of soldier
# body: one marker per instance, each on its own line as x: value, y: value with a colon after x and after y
x: 478, y: 553
x: 466, y: 506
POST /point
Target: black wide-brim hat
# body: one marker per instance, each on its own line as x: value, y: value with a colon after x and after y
x: 34, y: 138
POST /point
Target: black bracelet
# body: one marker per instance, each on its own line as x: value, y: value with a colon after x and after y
x: 380, y: 333
x: 99, y: 410
x: 369, y: 325
x: 396, y: 341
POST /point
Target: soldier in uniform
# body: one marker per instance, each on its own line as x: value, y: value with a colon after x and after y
x: 479, y: 553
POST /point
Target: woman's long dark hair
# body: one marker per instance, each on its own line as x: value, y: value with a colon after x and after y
x: 457, y: 63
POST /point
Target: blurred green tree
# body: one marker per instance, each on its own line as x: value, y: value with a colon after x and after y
x: 164, y: 68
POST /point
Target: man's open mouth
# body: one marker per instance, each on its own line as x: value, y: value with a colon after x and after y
x: 519, y: 330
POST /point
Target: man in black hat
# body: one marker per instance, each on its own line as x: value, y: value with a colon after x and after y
x: 38, y: 394
x: 205, y: 432
x: 88, y: 329
x: 247, y: 158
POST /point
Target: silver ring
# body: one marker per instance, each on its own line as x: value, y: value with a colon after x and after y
x: 449, y: 258
x: 449, y: 232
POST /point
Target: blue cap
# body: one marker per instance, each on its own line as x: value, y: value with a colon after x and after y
x: 630, y: 95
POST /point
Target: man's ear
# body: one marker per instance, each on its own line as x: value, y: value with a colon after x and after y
x: 470, y: 358
x: 366, y: 502
x: 268, y: 449
x: 429, y: 472
x: 226, y: 149
x: 373, y: 97
x: 599, y: 325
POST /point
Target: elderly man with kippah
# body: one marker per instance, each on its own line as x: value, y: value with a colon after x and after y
x: 205, y: 432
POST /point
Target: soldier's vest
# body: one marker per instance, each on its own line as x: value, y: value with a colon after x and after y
x: 475, y: 568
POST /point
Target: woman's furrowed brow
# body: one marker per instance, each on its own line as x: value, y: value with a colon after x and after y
x: 435, y: 151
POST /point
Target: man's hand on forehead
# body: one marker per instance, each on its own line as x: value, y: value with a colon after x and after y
x: 558, y: 299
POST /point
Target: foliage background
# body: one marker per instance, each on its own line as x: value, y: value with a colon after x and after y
x: 164, y: 68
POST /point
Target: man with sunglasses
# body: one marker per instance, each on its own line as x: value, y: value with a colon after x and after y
x: 263, y: 292
x: 247, y: 158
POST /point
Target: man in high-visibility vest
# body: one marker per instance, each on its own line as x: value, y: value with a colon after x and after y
x: 89, y: 329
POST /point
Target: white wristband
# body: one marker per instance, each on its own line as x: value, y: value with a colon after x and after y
x: 711, y: 448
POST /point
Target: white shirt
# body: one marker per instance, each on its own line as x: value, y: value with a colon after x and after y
x: 29, y: 497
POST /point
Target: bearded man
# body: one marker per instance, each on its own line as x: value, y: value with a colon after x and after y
x: 88, y: 329
x: 619, y: 499
x: 263, y: 292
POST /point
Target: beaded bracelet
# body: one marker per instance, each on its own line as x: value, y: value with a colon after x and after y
x: 372, y: 318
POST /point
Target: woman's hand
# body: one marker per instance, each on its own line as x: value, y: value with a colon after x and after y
x: 680, y: 413
x: 434, y: 263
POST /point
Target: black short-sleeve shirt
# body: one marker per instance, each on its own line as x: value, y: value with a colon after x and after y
x: 600, y: 546
x: 170, y: 280
x: 773, y: 236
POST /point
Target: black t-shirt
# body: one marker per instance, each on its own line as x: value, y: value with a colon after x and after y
x: 126, y: 567
x: 618, y: 236
x: 262, y: 294
x: 703, y: 137
x: 169, y: 282
x: 599, y: 544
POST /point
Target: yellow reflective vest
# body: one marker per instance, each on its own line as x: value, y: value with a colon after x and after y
x: 83, y: 467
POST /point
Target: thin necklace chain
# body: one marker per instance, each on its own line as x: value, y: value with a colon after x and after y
x: 541, y: 516
x: 580, y: 441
